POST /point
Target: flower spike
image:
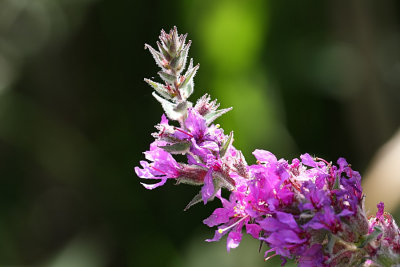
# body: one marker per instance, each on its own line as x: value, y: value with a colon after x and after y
x: 309, y: 209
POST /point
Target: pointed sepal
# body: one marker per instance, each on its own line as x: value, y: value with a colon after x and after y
x: 177, y: 148
x: 187, y: 85
x: 226, y: 144
x: 370, y: 237
x: 196, y: 199
x: 156, y: 55
x: 212, y: 116
x: 192, y: 174
x: 167, y: 77
x: 173, y: 111
x: 160, y: 89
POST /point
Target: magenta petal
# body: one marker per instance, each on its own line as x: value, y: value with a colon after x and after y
x: 381, y: 208
x: 199, y: 150
x: 196, y: 124
x: 306, y: 159
x: 342, y: 164
x: 143, y: 173
x: 212, y: 146
x: 208, y: 188
x: 233, y: 240
x: 225, y: 203
x: 270, y: 224
x: 284, y: 236
x: 287, y: 219
x: 152, y: 186
x: 191, y: 160
x: 164, y: 119
x: 264, y: 156
x: 286, y: 196
x: 345, y: 212
x: 253, y: 229
x: 219, y: 216
x: 217, y: 236
x: 316, y: 225
x: 292, y: 237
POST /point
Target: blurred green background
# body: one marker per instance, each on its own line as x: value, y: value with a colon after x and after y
x: 321, y: 77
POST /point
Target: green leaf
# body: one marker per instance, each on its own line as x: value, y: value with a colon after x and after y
x: 197, y: 199
x: 182, y: 40
x: 368, y: 238
x: 156, y: 55
x: 174, y: 63
x: 225, y: 181
x: 331, y: 242
x: 336, y: 185
x: 163, y: 50
x: 189, y: 75
x: 159, y: 88
x: 226, y: 145
x: 169, y: 78
x: 169, y: 108
x: 385, y: 261
x: 190, y: 64
x: 212, y: 116
x: 173, y: 111
x: 183, y: 107
x: 183, y: 57
x: 187, y: 91
x: 177, y: 148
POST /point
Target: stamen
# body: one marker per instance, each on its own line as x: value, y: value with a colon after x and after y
x: 231, y: 226
x: 294, y: 184
x: 326, y: 162
x: 182, y: 131
x: 158, y: 170
x: 269, y: 257
x: 168, y: 87
x: 177, y: 91
x: 162, y: 132
x: 387, y: 217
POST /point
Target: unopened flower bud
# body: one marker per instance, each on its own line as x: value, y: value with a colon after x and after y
x: 192, y: 174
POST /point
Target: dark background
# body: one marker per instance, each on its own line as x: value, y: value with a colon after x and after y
x: 321, y: 77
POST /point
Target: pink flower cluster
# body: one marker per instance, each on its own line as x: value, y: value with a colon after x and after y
x: 309, y: 210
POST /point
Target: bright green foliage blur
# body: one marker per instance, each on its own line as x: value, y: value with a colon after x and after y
x: 232, y: 35
x: 75, y: 115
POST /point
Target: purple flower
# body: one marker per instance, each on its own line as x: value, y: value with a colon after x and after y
x: 196, y: 124
x: 231, y: 219
x: 254, y: 230
x: 379, y: 213
x: 270, y: 186
x: 163, y: 166
x: 310, y: 210
x: 207, y: 190
x: 170, y: 133
x: 316, y: 198
x: 233, y: 240
x: 219, y: 216
x: 283, y: 234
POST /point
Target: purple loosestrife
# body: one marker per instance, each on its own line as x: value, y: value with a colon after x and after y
x: 210, y: 155
x: 308, y: 210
